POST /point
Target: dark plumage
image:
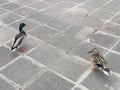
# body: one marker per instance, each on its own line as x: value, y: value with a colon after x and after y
x: 19, y: 37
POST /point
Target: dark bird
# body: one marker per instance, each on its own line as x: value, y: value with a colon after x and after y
x: 19, y: 38
x: 98, y: 61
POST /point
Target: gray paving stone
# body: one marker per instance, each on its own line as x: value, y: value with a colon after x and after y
x: 101, y: 14
x: 53, y: 1
x: 29, y: 43
x: 117, y: 47
x: 25, y: 11
x: 92, y: 22
x: 28, y: 2
x: 3, y: 1
x: 2, y: 11
x: 77, y: 1
x: 71, y: 67
x: 112, y: 7
x: 43, y: 33
x: 50, y: 81
x: 9, y: 18
x: 7, y: 33
x: 83, y: 48
x: 112, y: 29
x: 46, y: 54
x: 77, y: 88
x: 66, y: 4
x: 40, y: 5
x: 30, y: 24
x: 116, y: 19
x: 79, y: 31
x: 40, y: 17
x: 103, y: 39
x: 95, y: 3
x: 59, y: 23
x: 54, y: 11
x: 11, y: 6
x: 102, y: 82
x: 5, y: 86
x: 68, y: 42
x: 75, y: 14
x: 21, y: 71
x: 6, y: 56
x: 113, y: 61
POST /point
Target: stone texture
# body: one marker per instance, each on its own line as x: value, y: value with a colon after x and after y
x: 6, y: 56
x: 46, y: 54
x: 43, y: 32
x: 71, y: 67
x: 50, y: 81
x: 5, y: 86
x: 11, y: 6
x: 21, y: 74
x: 103, y: 39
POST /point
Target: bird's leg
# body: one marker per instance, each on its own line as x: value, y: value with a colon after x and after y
x: 22, y: 48
x: 95, y: 69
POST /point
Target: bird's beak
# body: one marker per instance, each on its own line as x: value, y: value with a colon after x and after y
x: 90, y: 51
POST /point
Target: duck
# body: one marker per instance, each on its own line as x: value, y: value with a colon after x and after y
x: 99, y: 61
x: 19, y: 38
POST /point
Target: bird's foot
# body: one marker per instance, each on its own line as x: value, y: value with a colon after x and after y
x: 22, y: 48
x: 95, y: 69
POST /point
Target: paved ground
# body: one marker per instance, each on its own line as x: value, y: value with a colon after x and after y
x: 59, y: 35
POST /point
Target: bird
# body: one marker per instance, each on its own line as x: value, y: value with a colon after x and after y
x: 99, y: 62
x: 19, y: 38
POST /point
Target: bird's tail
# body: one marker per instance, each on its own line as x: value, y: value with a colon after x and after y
x: 106, y: 70
x: 13, y: 48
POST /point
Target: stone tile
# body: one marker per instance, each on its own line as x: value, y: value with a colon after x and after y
x: 113, y: 61
x: 11, y: 6
x: 21, y: 71
x: 43, y: 33
x: 77, y: 88
x: 83, y: 48
x: 66, y: 4
x: 7, y: 33
x: 102, y: 82
x: 77, y: 1
x: 9, y: 18
x: 101, y: 14
x: 52, y: 1
x: 59, y: 23
x: 111, y: 29
x: 95, y: 3
x: 3, y: 1
x: 40, y: 17
x: 112, y: 7
x: 30, y: 24
x: 2, y: 11
x: 25, y: 11
x: 6, y: 56
x: 28, y: 43
x: 75, y: 14
x: 103, y: 39
x: 50, y: 81
x: 117, y: 47
x: 79, y: 31
x: 116, y: 19
x: 92, y: 22
x: 46, y: 54
x: 40, y: 5
x: 5, y: 86
x: 28, y: 2
x: 64, y: 42
x: 54, y: 11
x: 70, y: 66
